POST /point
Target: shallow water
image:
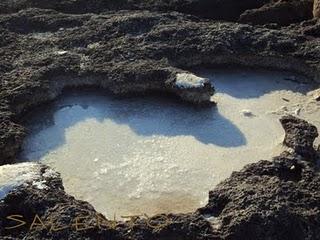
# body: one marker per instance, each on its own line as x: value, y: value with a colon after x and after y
x: 153, y: 155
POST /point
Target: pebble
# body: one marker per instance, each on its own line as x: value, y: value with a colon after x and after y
x: 61, y: 52
x: 247, y: 113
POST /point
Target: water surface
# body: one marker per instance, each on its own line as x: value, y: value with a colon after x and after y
x: 153, y: 154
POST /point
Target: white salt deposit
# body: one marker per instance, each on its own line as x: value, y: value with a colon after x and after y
x: 12, y: 176
x: 187, y: 80
x: 152, y: 155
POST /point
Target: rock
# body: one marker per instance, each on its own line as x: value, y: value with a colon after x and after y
x: 188, y: 80
x: 12, y: 177
x: 193, y: 88
x: 275, y: 199
x: 316, y: 9
x: 265, y: 199
x: 214, y: 9
x: 141, y: 49
x: 315, y: 94
x: 281, y: 12
x: 138, y: 52
x: 35, y: 192
x: 300, y: 136
x: 247, y: 113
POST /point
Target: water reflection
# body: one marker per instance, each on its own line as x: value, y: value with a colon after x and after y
x: 151, y: 154
x: 146, y: 116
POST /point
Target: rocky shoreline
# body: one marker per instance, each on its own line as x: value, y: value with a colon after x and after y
x: 138, y: 47
x: 275, y: 199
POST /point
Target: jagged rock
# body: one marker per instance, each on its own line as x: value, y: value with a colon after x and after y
x: 44, y: 51
x: 35, y: 192
x: 215, y: 9
x: 276, y: 200
x: 266, y: 200
x: 300, y: 136
x: 281, y: 12
x: 315, y: 94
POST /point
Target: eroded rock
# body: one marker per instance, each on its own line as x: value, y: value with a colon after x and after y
x: 44, y: 49
x: 271, y: 200
x: 276, y: 199
x: 214, y: 9
x: 279, y: 12
x: 35, y: 193
x: 129, y: 52
x: 300, y: 136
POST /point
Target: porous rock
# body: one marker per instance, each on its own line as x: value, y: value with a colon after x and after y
x: 300, y: 136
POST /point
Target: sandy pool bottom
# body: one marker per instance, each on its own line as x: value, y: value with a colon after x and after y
x: 154, y: 155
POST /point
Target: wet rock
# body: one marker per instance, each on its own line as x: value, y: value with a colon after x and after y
x: 300, y: 136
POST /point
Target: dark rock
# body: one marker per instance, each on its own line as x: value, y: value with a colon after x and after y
x: 37, y: 195
x: 44, y: 48
x: 268, y: 200
x: 312, y: 29
x: 300, y: 136
x: 44, y: 51
x: 214, y: 9
x: 271, y: 200
x: 281, y: 12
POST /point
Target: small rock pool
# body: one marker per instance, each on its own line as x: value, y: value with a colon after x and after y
x: 148, y: 155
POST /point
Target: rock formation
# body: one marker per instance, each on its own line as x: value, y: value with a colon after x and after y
x: 276, y: 199
x: 43, y: 51
x: 316, y: 9
x: 272, y: 200
x: 279, y: 12
x: 143, y: 46
x: 300, y: 136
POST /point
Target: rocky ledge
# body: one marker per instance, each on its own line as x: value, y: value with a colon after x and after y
x: 131, y: 52
x: 276, y: 199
